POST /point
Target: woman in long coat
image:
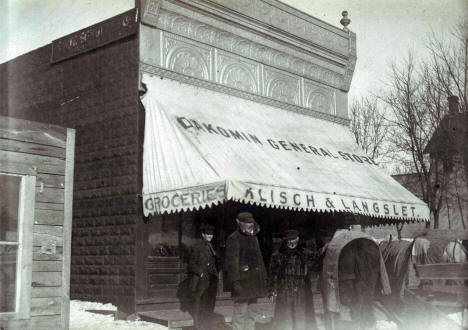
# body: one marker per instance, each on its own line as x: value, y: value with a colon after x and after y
x: 290, y: 269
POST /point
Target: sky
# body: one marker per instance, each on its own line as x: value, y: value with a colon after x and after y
x: 385, y: 29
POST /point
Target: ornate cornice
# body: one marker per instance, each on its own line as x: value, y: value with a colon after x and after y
x: 198, y: 60
x: 275, y: 14
x: 195, y: 30
x: 351, y: 63
x: 243, y: 85
x: 274, y: 17
x: 306, y: 46
x: 261, y: 50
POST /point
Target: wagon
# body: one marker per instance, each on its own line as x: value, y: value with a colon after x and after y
x: 443, y: 272
x: 428, y: 278
x: 351, y: 258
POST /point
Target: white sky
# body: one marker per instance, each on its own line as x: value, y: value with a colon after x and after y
x: 385, y: 28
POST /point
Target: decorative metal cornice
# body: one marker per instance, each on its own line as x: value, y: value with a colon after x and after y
x: 306, y: 46
x: 195, y: 30
x: 351, y: 63
x: 193, y: 80
x: 279, y: 18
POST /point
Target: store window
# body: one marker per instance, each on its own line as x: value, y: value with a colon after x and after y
x: 16, y: 226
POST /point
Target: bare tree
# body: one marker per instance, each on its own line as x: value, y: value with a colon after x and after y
x: 369, y: 127
x: 417, y: 96
x: 417, y: 109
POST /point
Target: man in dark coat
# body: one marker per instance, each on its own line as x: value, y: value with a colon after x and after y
x: 203, y: 270
x: 290, y: 270
x: 245, y: 271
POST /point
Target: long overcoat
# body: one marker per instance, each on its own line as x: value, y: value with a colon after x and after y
x: 244, y: 265
x: 202, y: 261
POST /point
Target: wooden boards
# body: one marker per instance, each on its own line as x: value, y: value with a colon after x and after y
x: 47, y: 153
x: 452, y: 271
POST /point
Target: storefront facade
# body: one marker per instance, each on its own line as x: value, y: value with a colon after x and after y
x: 246, y: 109
x: 261, y: 51
x: 188, y: 112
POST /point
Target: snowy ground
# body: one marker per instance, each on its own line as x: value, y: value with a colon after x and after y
x: 457, y: 318
x: 82, y: 320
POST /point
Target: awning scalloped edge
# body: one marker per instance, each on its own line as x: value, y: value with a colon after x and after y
x: 282, y: 207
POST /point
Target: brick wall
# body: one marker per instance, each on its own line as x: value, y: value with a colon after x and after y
x: 96, y: 93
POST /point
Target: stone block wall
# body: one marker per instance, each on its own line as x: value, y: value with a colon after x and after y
x: 97, y: 94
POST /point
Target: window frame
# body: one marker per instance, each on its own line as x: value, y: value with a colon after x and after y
x: 24, y: 257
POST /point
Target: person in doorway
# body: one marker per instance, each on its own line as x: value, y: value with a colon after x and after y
x: 290, y: 268
x: 245, y: 271
x: 203, y: 269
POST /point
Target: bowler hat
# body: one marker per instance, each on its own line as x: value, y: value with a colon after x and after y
x: 207, y: 229
x: 245, y: 217
x: 291, y: 234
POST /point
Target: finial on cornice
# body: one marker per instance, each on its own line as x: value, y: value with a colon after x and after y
x: 345, y: 20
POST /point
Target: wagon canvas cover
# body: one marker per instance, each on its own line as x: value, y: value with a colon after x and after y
x: 202, y: 147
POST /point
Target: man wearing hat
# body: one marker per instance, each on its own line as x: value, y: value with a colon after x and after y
x: 203, y: 269
x: 245, y: 271
x: 290, y: 268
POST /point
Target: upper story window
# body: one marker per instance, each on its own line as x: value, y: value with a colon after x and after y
x: 16, y: 227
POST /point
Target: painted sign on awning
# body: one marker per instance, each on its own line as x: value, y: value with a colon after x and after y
x: 202, y: 148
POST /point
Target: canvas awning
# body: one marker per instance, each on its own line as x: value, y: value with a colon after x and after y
x: 203, y: 147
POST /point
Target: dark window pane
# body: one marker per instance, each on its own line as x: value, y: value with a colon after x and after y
x: 9, y: 202
x: 8, y: 256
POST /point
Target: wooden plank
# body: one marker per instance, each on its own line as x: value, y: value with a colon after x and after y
x: 48, y: 217
x: 452, y: 271
x: 32, y: 148
x: 46, y: 279
x: 38, y: 255
x: 46, y: 291
x: 67, y: 228
x: 26, y: 168
x: 455, y: 289
x: 48, y: 206
x: 46, y: 306
x: 444, y: 303
x: 49, y: 230
x: 28, y: 131
x: 47, y: 322
x: 50, y: 180
x: 17, y: 168
x: 47, y: 266
x: 33, y: 160
x: 50, y: 195
x: 41, y: 239
x: 26, y: 213
x: 15, y: 324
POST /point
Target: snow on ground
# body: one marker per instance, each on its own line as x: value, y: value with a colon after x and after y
x: 386, y: 325
x: 82, y: 320
x: 457, y: 317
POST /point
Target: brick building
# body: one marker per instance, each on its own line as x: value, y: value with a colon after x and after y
x: 205, y: 57
x: 97, y: 94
